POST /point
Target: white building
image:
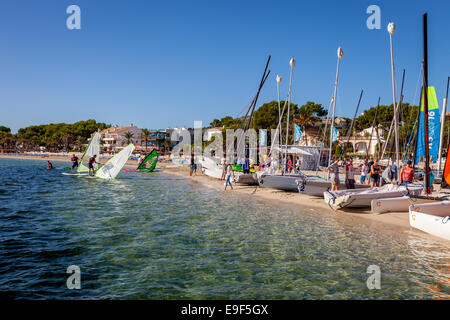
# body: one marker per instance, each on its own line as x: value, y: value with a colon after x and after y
x: 114, y: 138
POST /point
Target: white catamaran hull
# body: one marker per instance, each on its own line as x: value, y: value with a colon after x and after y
x: 310, y: 185
x: 432, y: 218
x: 246, y: 178
x: 398, y: 204
x: 363, y: 198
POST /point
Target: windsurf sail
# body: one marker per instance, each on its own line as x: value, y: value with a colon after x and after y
x: 92, y: 149
x: 149, y: 163
x: 434, y: 127
x: 112, y: 167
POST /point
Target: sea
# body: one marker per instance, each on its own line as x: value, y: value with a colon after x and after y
x: 160, y: 236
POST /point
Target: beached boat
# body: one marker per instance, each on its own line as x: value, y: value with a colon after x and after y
x: 310, y: 185
x: 400, y: 204
x: 432, y: 218
x: 363, y: 198
x: 210, y: 167
x: 246, y: 178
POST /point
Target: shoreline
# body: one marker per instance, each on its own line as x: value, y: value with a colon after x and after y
x: 397, y: 222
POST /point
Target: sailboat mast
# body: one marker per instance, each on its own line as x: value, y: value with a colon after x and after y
x: 292, y: 64
x: 391, y: 29
x: 279, y: 79
x: 340, y: 54
x: 350, y: 131
x: 441, y: 136
x: 425, y: 103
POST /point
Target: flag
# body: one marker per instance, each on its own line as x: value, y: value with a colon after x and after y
x: 335, y: 135
x: 262, y: 137
x: 297, y: 133
x: 434, y: 127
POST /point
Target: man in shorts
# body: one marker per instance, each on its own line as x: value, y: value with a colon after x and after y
x: 334, y: 177
x: 91, y: 162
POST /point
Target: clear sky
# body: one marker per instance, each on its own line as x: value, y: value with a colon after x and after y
x: 167, y: 63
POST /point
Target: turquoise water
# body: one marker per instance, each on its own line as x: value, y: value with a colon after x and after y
x: 156, y: 236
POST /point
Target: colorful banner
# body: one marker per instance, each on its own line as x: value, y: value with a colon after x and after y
x: 434, y: 127
x: 262, y: 137
x: 335, y: 135
x: 297, y: 133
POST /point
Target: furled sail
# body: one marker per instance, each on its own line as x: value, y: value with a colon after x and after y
x: 149, y: 163
x: 92, y: 149
x: 112, y: 167
x: 434, y: 127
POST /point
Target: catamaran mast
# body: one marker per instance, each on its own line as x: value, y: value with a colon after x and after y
x: 324, y: 135
x: 391, y: 29
x: 441, y: 137
x: 425, y: 104
x: 340, y: 55
x: 350, y: 130
x: 292, y: 64
x: 279, y: 79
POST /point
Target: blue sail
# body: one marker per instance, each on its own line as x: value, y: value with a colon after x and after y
x: 434, y: 127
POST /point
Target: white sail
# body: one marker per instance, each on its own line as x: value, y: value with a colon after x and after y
x: 92, y: 149
x: 112, y: 167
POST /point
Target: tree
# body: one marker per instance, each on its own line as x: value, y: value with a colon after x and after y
x: 128, y: 138
x: 145, y: 135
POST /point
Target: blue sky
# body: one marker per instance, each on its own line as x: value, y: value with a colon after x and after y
x: 167, y: 63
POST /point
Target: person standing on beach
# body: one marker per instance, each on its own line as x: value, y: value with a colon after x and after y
x: 334, y: 169
x: 224, y: 167
x: 375, y: 171
x: 91, y: 162
x: 228, y: 176
x: 407, y: 173
x: 246, y: 164
x: 349, y: 174
x: 193, y: 165
x: 364, y: 170
x: 49, y: 165
x: 297, y: 165
x: 74, y: 160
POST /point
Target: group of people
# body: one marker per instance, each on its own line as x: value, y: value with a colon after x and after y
x: 291, y: 166
x: 370, y: 173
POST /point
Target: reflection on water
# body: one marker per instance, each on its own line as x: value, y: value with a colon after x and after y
x: 154, y: 236
x: 434, y: 263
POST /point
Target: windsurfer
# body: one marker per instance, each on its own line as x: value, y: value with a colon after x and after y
x: 92, y: 161
x: 74, y: 160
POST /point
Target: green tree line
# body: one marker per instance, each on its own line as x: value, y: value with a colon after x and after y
x: 54, y: 136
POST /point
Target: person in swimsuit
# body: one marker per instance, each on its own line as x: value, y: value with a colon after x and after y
x: 49, y: 165
x: 92, y: 161
x: 375, y: 171
x: 74, y: 160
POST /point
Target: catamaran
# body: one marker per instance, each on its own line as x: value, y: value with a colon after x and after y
x: 112, y: 167
x: 93, y: 149
x: 432, y: 218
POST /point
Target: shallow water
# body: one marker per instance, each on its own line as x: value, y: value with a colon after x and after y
x: 156, y: 236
